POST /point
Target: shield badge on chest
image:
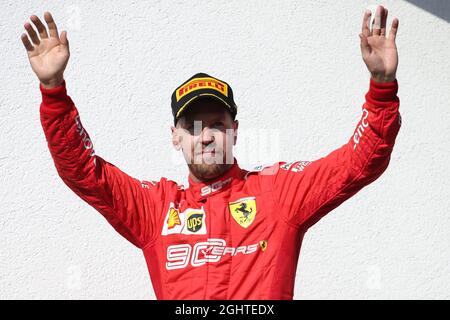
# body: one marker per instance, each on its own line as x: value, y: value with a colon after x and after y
x: 243, y: 211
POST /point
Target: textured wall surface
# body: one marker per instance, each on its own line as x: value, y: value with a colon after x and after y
x: 299, y: 80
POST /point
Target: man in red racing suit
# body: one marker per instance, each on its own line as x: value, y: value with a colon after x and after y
x: 239, y: 235
x: 215, y: 257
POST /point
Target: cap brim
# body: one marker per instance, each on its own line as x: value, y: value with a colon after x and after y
x: 185, y: 108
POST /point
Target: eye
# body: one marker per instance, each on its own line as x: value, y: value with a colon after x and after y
x: 189, y: 127
x: 218, y: 124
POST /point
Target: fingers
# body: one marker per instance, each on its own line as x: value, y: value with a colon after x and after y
x: 53, y: 30
x: 43, y: 34
x: 39, y: 26
x: 64, y: 40
x: 365, y: 47
x: 394, y: 28
x: 26, y: 42
x: 365, y: 25
x: 377, y: 21
x: 383, y: 22
x: 33, y: 35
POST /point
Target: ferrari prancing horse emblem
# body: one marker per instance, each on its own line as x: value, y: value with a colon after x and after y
x: 243, y: 211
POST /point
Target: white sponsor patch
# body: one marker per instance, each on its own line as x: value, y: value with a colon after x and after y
x: 300, y: 166
x: 258, y: 169
x: 359, y: 132
x: 215, y: 186
x: 190, y: 221
x: 179, y: 256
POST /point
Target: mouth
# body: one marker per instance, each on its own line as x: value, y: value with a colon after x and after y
x: 208, y: 157
x: 208, y: 153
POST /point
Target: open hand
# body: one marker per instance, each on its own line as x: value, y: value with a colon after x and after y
x: 48, y: 52
x: 379, y: 52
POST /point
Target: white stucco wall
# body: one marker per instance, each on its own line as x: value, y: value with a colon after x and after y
x: 299, y: 80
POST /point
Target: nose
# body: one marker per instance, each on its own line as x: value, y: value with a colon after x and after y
x: 207, y: 135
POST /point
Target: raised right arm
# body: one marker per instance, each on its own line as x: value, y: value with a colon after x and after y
x: 132, y: 207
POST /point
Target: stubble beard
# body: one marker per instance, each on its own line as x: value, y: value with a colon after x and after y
x: 209, y: 170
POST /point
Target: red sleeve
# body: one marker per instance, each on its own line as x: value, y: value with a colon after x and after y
x: 128, y: 204
x: 307, y: 191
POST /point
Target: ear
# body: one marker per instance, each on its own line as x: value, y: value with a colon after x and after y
x: 175, y: 138
x: 235, y: 129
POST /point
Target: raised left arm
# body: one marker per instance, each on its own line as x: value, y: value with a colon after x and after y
x: 306, y: 191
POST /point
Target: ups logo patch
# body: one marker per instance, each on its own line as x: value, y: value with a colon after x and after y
x: 194, y: 221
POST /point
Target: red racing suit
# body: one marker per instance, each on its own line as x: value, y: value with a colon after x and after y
x: 237, y: 237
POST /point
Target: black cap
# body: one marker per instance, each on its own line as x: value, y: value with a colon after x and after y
x: 198, y: 86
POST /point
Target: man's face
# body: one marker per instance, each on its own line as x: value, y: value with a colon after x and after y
x: 206, y: 134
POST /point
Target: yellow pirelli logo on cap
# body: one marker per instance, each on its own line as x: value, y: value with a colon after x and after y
x: 202, y: 83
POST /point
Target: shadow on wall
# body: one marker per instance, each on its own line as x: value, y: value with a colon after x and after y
x: 439, y: 8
